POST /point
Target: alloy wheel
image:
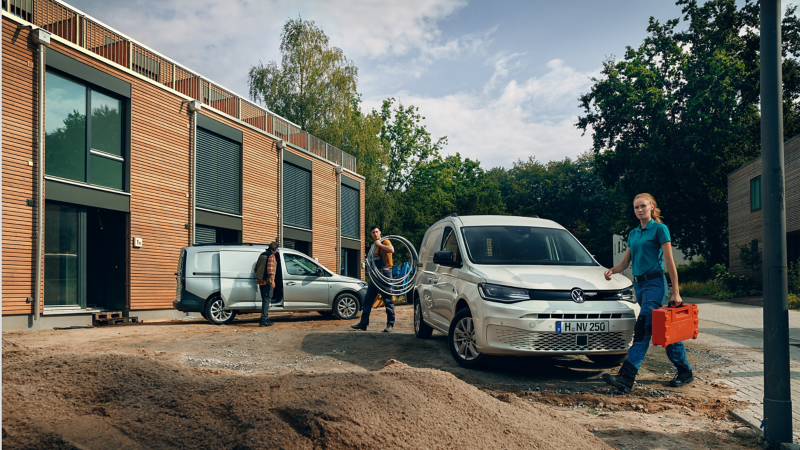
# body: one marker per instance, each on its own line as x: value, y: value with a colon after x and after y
x: 218, y: 312
x: 464, y: 339
x: 347, y: 306
x: 417, y: 316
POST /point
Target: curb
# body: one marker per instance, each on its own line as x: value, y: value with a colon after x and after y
x: 787, y: 446
x: 748, y: 419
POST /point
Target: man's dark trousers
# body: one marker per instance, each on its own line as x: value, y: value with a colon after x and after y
x: 266, y: 299
x: 369, y: 299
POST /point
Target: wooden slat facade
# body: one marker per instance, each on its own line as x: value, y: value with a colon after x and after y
x: 160, y: 185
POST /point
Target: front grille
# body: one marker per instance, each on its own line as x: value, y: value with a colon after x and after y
x: 580, y: 316
x: 556, y: 342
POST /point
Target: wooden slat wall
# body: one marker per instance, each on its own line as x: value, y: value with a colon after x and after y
x: 160, y: 182
x: 363, y: 213
x: 743, y: 225
x: 19, y: 116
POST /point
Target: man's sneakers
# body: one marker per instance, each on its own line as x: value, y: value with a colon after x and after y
x: 266, y: 323
x: 682, y: 379
x: 388, y: 329
x: 622, y: 382
x: 359, y: 327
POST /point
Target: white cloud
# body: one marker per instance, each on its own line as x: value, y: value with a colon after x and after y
x: 535, y: 117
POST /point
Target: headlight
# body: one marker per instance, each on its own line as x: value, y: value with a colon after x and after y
x: 628, y: 295
x: 363, y: 284
x: 502, y: 293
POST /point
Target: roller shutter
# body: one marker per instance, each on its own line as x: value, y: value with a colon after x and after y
x: 296, y: 196
x: 219, y: 174
x: 205, y: 235
x: 350, y: 213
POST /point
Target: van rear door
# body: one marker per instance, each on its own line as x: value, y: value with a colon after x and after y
x: 237, y: 278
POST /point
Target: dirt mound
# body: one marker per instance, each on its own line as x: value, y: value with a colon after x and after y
x: 126, y: 401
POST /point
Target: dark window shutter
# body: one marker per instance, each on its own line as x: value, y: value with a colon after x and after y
x: 205, y: 235
x: 296, y: 196
x: 219, y: 162
x: 350, y: 212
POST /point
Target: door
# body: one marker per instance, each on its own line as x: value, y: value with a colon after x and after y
x: 305, y: 283
x: 444, y: 289
x: 237, y: 279
x: 428, y: 277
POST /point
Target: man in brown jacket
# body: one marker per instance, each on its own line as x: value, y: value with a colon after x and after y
x: 265, y: 278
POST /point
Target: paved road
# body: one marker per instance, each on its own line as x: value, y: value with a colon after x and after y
x: 739, y: 329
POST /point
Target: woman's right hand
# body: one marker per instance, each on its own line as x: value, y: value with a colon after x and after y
x: 608, y: 274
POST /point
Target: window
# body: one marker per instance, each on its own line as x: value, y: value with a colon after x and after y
x: 296, y: 196
x: 145, y: 65
x: 755, y: 194
x: 350, y: 212
x: 80, y: 146
x: 219, y: 166
x: 297, y: 265
x: 62, y: 242
x: 524, y: 245
x: 449, y: 242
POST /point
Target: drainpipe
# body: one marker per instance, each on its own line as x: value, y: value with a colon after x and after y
x: 42, y: 38
x: 194, y: 106
x: 339, y: 170
x: 281, y: 145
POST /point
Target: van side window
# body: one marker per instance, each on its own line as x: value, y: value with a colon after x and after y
x: 207, y: 262
x: 297, y: 265
x: 449, y: 242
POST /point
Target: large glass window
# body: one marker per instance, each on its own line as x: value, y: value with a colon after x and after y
x: 61, y: 251
x: 78, y: 149
x: 513, y: 245
x: 297, y: 265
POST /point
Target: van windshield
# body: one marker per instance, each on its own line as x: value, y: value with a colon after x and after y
x: 512, y: 245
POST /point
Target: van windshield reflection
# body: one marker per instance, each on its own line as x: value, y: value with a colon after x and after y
x: 521, y: 245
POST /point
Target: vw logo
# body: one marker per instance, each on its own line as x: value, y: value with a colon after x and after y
x: 577, y: 295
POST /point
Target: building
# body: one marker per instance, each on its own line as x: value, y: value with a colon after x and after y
x: 620, y: 245
x: 126, y: 156
x: 744, y: 209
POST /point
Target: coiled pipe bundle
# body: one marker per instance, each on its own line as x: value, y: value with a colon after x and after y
x: 393, y: 286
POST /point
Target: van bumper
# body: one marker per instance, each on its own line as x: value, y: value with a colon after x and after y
x: 189, y: 302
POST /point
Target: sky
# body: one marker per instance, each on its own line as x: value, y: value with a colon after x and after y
x: 500, y: 79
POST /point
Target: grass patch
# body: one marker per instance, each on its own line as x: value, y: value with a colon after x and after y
x: 698, y: 288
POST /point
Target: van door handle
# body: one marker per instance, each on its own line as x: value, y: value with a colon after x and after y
x: 433, y: 280
x: 290, y: 283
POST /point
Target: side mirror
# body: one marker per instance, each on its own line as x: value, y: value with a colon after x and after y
x: 320, y: 272
x: 444, y: 258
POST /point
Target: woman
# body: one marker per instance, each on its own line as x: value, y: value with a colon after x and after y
x: 649, y: 248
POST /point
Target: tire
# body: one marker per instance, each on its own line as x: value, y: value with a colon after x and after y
x: 607, y: 360
x: 345, y: 307
x: 421, y: 329
x: 462, y: 331
x: 203, y: 313
x: 215, y: 311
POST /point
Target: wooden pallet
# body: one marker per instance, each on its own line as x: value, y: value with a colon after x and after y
x: 106, y: 315
x: 117, y: 319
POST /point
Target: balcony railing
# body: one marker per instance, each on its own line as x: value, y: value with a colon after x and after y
x: 76, y: 27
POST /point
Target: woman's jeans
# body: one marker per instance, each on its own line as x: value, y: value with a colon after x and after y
x: 650, y: 295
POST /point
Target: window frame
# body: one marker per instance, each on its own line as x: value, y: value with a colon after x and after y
x: 445, y: 236
x: 125, y: 132
x: 755, y: 181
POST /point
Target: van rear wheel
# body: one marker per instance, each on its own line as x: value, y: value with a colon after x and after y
x: 216, y: 312
x: 421, y: 329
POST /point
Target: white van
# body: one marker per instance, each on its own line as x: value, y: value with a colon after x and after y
x: 219, y: 281
x: 504, y: 285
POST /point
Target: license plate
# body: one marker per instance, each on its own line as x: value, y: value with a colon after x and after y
x: 581, y: 327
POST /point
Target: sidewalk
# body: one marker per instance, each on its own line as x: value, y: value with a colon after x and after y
x: 739, y: 329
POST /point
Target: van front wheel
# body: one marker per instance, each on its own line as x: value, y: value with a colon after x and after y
x: 216, y: 312
x: 461, y: 340
x: 345, y: 306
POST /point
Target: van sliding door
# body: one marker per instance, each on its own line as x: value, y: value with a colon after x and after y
x: 237, y: 279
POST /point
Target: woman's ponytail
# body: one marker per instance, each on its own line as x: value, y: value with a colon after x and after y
x: 656, y: 214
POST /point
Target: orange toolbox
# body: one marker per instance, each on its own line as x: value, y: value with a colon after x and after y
x: 674, y: 324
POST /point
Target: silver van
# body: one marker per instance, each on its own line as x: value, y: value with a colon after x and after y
x: 503, y: 285
x: 219, y: 281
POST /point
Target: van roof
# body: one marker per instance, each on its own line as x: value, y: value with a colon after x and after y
x: 469, y: 221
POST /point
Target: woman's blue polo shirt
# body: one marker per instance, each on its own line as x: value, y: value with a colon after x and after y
x: 645, y: 244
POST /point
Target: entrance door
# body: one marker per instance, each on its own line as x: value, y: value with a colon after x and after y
x: 64, y: 241
x: 305, y: 284
x: 349, y: 263
x: 237, y: 278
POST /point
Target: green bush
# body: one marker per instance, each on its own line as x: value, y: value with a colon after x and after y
x: 723, y: 295
x: 698, y: 271
x: 794, y: 301
x: 794, y: 277
x: 698, y: 289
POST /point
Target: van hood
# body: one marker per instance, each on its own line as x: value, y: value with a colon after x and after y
x: 551, y: 277
x: 349, y: 279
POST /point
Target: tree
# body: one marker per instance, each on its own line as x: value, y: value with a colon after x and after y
x: 315, y: 84
x: 680, y: 112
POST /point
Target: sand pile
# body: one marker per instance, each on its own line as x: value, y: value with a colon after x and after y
x: 124, y: 401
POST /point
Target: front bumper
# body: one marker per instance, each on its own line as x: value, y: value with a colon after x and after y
x: 529, y: 328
